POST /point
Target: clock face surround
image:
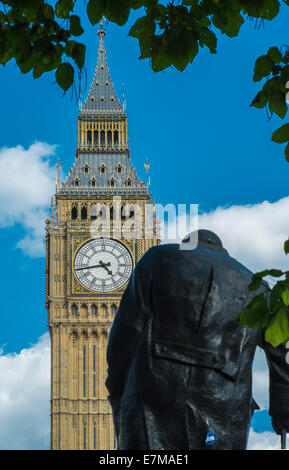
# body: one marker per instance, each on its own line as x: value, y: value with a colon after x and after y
x: 103, y: 265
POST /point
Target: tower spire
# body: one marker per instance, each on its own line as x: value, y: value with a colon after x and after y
x: 102, y: 98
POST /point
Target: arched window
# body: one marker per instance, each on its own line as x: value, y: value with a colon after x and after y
x: 131, y: 212
x: 86, y: 168
x: 83, y: 213
x: 74, y: 309
x: 93, y: 212
x: 74, y: 212
x: 95, y: 138
x: 128, y: 182
x: 89, y: 138
x: 123, y: 212
x: 103, y: 310
x: 102, y: 213
x: 93, y: 182
x: 83, y: 310
x: 119, y: 168
x: 93, y: 310
x: 102, y: 168
x: 109, y: 138
x: 112, y: 182
x: 111, y: 213
x: 115, y: 138
x: 102, y: 138
x: 113, y: 309
x: 76, y: 182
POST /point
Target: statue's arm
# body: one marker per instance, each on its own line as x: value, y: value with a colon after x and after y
x: 279, y: 386
x: 128, y: 325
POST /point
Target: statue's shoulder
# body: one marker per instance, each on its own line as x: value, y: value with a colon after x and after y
x: 172, y: 252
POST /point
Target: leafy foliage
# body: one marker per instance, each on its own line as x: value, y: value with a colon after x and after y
x: 269, y: 312
x: 39, y: 35
x: 274, y: 66
x: 32, y: 34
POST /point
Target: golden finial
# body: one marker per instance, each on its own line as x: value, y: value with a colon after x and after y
x: 58, y: 166
x: 147, y: 167
x: 123, y: 98
x: 101, y: 31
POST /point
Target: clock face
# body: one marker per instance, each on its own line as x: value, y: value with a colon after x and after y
x: 103, y: 265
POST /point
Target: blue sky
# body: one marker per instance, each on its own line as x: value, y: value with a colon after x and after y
x: 204, y: 142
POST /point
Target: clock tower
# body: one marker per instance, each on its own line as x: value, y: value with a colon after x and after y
x: 97, y: 231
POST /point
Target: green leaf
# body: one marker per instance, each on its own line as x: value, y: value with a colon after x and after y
x: 208, y: 38
x: 273, y: 272
x: 258, y: 277
x: 281, y: 135
x: 253, y: 8
x: 276, y: 301
x: 286, y: 247
x: 76, y: 50
x: 135, y: 4
x: 160, y: 58
x: 228, y: 22
x: 277, y: 331
x: 259, y: 101
x: 275, y: 54
x: 26, y: 59
x: 277, y: 103
x: 254, y: 284
x: 75, y: 26
x: 117, y: 11
x: 96, y: 10
x: 263, y: 67
x: 39, y: 68
x: 144, y: 29
x: 285, y: 297
x: 271, y: 9
x: 285, y: 75
x: 65, y: 75
x: 48, y: 11
x: 143, y: 26
x: 63, y: 8
x: 255, y: 314
x: 79, y: 54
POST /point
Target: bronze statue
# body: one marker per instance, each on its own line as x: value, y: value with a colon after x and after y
x: 179, y: 365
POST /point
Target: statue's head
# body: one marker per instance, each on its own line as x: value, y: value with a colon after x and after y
x: 203, y: 239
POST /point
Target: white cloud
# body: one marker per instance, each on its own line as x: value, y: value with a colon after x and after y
x: 24, y: 398
x: 263, y: 441
x: 260, y: 379
x: 253, y: 234
x: 27, y: 181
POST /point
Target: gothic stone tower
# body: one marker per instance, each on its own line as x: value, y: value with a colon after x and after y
x: 94, y: 238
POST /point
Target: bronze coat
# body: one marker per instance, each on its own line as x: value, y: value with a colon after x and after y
x: 179, y: 365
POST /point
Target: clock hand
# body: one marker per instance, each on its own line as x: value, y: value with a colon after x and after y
x: 105, y: 266
x: 94, y: 266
